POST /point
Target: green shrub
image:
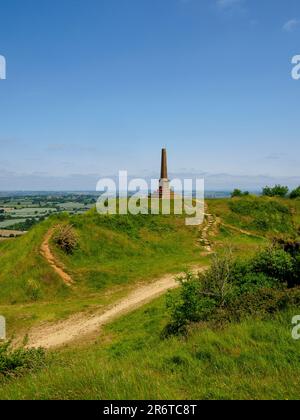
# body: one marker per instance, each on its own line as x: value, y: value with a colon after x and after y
x: 295, y: 193
x: 189, y: 305
x: 295, y: 277
x: 239, y: 193
x: 274, y: 263
x: 292, y: 248
x: 234, y: 289
x: 201, y: 294
x: 262, y: 302
x: 277, y: 191
x: 251, y: 282
x: 15, y: 362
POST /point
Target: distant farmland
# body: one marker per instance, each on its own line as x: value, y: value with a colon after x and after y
x: 21, y: 213
x: 11, y: 222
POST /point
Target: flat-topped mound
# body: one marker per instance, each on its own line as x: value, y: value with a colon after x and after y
x: 111, y: 251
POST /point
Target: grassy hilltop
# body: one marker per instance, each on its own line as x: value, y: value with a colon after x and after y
x: 234, y: 351
x: 112, y: 250
x: 113, y: 254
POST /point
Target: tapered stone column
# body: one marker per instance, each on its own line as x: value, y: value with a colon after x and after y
x: 164, y: 185
x: 164, y: 166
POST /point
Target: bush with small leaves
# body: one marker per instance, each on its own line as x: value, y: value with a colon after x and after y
x: 14, y: 362
x: 275, y: 263
x: 66, y: 238
x: 234, y: 289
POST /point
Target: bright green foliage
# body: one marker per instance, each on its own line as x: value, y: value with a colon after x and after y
x: 14, y: 362
x: 277, y: 191
x: 221, y: 291
x: 274, y: 263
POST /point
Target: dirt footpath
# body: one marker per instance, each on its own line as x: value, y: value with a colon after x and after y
x: 47, y: 254
x: 77, y: 326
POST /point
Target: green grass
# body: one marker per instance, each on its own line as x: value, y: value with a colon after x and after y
x: 240, y: 245
x: 114, y: 254
x: 263, y: 216
x: 119, y: 250
x: 111, y: 251
x: 22, y: 265
x: 256, y: 359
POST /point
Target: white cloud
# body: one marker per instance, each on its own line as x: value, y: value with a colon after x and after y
x: 291, y: 25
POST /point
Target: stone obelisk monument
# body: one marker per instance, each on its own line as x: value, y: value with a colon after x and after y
x: 164, y: 184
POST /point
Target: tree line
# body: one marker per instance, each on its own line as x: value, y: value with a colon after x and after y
x: 276, y: 191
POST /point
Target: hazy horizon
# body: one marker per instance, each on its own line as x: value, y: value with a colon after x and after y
x: 213, y: 182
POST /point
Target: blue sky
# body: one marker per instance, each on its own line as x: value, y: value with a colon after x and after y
x: 96, y: 86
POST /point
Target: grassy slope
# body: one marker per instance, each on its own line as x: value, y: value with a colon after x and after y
x: 122, y: 249
x: 254, y: 359
x: 114, y: 254
x: 264, y: 217
x: 23, y: 269
x: 260, y: 215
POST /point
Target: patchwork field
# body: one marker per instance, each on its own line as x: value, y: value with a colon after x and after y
x: 23, y: 212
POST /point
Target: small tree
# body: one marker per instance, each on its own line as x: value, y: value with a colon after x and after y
x: 277, y: 191
x: 236, y: 193
x: 295, y: 193
x: 239, y: 193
